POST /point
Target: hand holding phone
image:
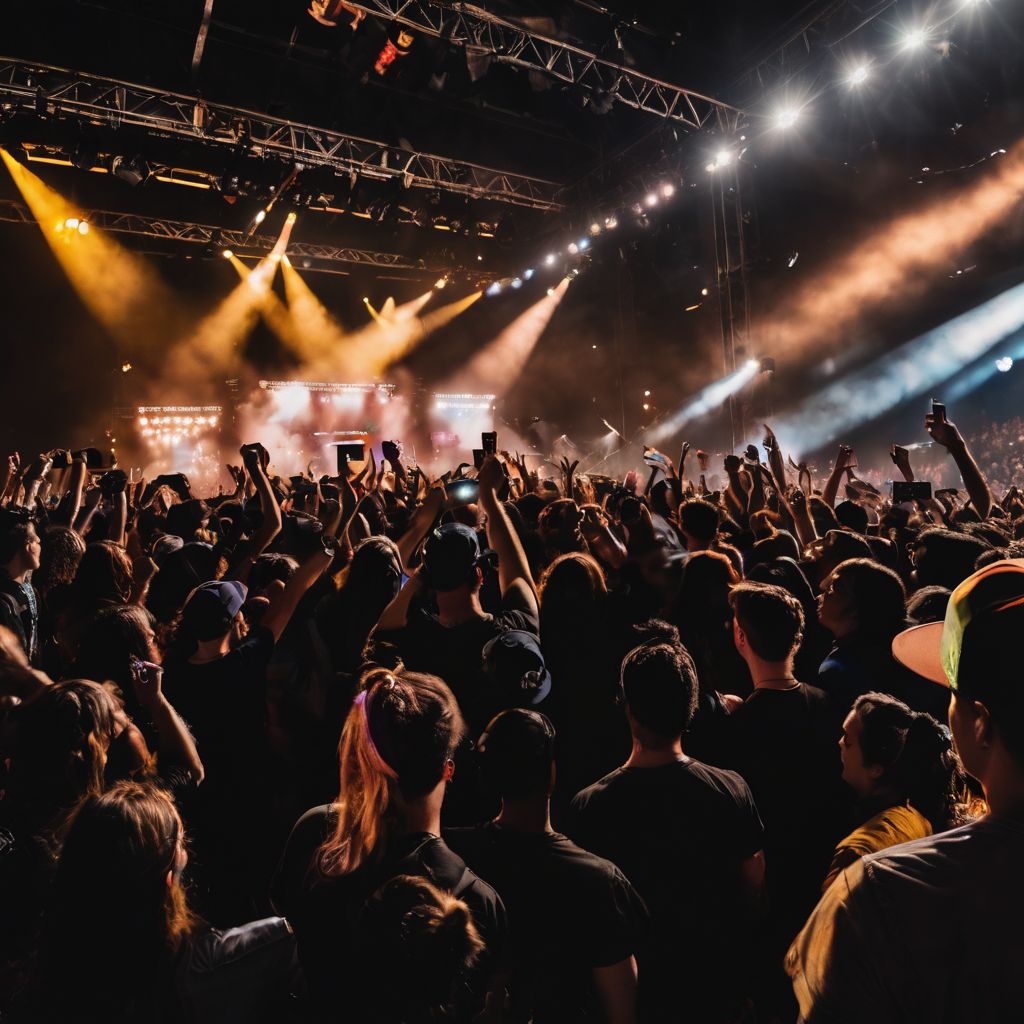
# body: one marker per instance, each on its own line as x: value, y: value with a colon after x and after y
x: 463, y: 492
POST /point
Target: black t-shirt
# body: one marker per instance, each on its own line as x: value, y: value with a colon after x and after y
x: 680, y: 832
x: 325, y: 915
x: 569, y: 912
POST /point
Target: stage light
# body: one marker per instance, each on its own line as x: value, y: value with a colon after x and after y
x: 551, y: 291
x: 611, y: 222
x: 83, y: 227
x: 595, y: 228
x: 516, y: 282
x: 291, y: 218
x: 583, y: 243
x: 704, y: 291
x: 528, y: 273
x: 440, y: 283
x: 260, y: 217
x: 647, y: 406
x: 651, y: 199
x: 723, y: 158
x: 227, y: 254
x: 858, y: 76
x: 1004, y: 365
x: 126, y: 367
x: 647, y: 394
x: 493, y: 289
x: 710, y: 167
x: 573, y: 248
x: 549, y: 259
x: 71, y: 223
x: 786, y: 117
x: 752, y: 364
x: 914, y: 39
x: 668, y: 190
x: 366, y: 299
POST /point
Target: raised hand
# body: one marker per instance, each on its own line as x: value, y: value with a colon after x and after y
x: 943, y: 432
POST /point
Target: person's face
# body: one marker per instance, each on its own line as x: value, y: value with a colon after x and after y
x: 33, y: 548
x: 860, y: 777
x: 835, y: 605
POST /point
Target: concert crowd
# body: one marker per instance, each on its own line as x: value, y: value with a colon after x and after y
x: 513, y: 744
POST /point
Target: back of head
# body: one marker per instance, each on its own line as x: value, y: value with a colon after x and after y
x: 770, y: 617
x: 708, y: 576
x: 659, y: 687
x: 104, y: 575
x: 928, y: 605
x: 211, y: 609
x: 398, y: 736
x: 416, y: 942
x: 62, y: 551
x: 375, y: 569
x: 571, y: 588
x: 516, y: 752
x: 944, y: 558
x: 699, y: 519
x: 451, y: 557
x: 916, y: 755
x: 852, y: 516
x: 115, y: 634
x: 842, y: 545
x: 878, y: 596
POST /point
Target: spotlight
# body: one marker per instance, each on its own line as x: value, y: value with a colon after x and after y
x: 366, y: 299
x: 710, y: 167
x: 59, y: 226
x: 290, y: 219
x: 647, y: 406
x: 83, y: 227
x: 595, y: 228
x: 1004, y: 365
x: 651, y: 199
x: 704, y: 292
x: 493, y: 289
x: 227, y: 254
x: 753, y: 364
x: 133, y: 170
x: 914, y: 39
x: 440, y: 283
x: 583, y: 243
x: 573, y: 248
x: 71, y: 223
x: 516, y: 282
x: 668, y: 190
x: 528, y: 273
x: 858, y: 76
x: 551, y: 291
x: 611, y: 222
x: 126, y: 367
x: 723, y: 158
x: 647, y: 394
x: 549, y: 259
x: 260, y: 217
x: 787, y: 117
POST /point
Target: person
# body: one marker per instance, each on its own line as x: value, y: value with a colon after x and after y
x: 395, y: 760
x: 217, y: 680
x: 687, y: 835
x: 930, y: 930
x: 575, y: 921
x: 863, y: 605
x: 698, y: 523
x: 450, y: 643
x: 782, y: 740
x: 119, y: 904
x: 901, y: 766
x: 103, y: 580
x: 20, y: 550
x: 61, y: 554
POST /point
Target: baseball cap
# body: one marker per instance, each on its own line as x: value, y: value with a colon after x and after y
x: 513, y: 660
x: 934, y: 649
x: 212, y: 604
x: 451, y: 552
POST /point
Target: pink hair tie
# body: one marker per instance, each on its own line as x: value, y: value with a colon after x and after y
x: 378, y: 762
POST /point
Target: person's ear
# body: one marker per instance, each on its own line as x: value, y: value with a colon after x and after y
x: 874, y: 771
x: 982, y: 728
x: 169, y: 880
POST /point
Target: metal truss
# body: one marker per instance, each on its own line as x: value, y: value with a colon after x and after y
x: 480, y: 30
x: 107, y: 102
x: 239, y: 241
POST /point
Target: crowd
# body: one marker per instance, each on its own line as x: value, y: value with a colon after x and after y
x: 377, y: 748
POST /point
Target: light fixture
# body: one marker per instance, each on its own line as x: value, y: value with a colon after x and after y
x: 227, y: 254
x: 753, y: 364
x: 704, y: 291
x: 595, y: 228
x: 516, y: 282
x: 573, y: 248
x: 611, y: 222
x: 71, y: 223
x: 126, y: 367
x: 260, y: 217
x: 647, y: 394
x: 528, y: 273
x: 647, y: 406
x: 914, y: 39
x: 1004, y: 365
x: 366, y: 299
x: 668, y: 190
x: 786, y: 117
x: 549, y: 259
x: 858, y: 76
x: 440, y: 283
x: 551, y: 291
x: 723, y: 158
x: 290, y: 219
x: 583, y: 243
x: 83, y: 227
x: 651, y: 199
x: 494, y: 288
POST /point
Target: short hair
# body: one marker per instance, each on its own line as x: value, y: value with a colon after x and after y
x: 516, y: 751
x: 878, y: 595
x: 13, y: 537
x: 771, y: 618
x: 843, y: 545
x: 659, y: 686
x: 946, y: 558
x: 852, y: 516
x: 928, y: 605
x: 699, y: 518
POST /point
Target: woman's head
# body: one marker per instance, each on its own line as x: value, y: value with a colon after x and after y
x: 889, y: 750
x: 708, y: 577
x: 115, y: 635
x: 62, y: 551
x: 117, y: 899
x: 572, y: 585
x: 104, y: 575
x: 861, y: 596
x: 375, y: 572
x: 418, y: 940
x: 396, y: 748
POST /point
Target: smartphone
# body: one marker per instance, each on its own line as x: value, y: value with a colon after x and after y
x: 463, y: 492
x: 350, y: 451
x: 938, y: 410
x: 489, y: 442
x: 478, y: 457
x: 910, y: 490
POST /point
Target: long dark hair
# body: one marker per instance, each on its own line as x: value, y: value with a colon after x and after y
x: 116, y: 899
x: 397, y: 736
x: 916, y: 755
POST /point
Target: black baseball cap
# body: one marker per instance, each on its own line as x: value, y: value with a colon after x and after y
x: 514, y: 663
x: 451, y: 553
x: 211, y: 608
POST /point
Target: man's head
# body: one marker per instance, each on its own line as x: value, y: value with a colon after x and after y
x: 852, y: 516
x: 517, y: 755
x: 767, y: 623
x: 659, y: 689
x: 19, y: 543
x: 840, y: 546
x: 211, y: 609
x: 860, y: 596
x: 944, y: 558
x: 976, y: 653
x: 514, y: 665
x: 452, y: 558
x: 698, y: 519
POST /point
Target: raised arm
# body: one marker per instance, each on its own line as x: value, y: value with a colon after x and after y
x: 175, y: 744
x: 828, y: 495
x: 946, y: 434
x: 514, y: 575
x: 255, y: 458
x: 419, y: 524
x: 282, y: 607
